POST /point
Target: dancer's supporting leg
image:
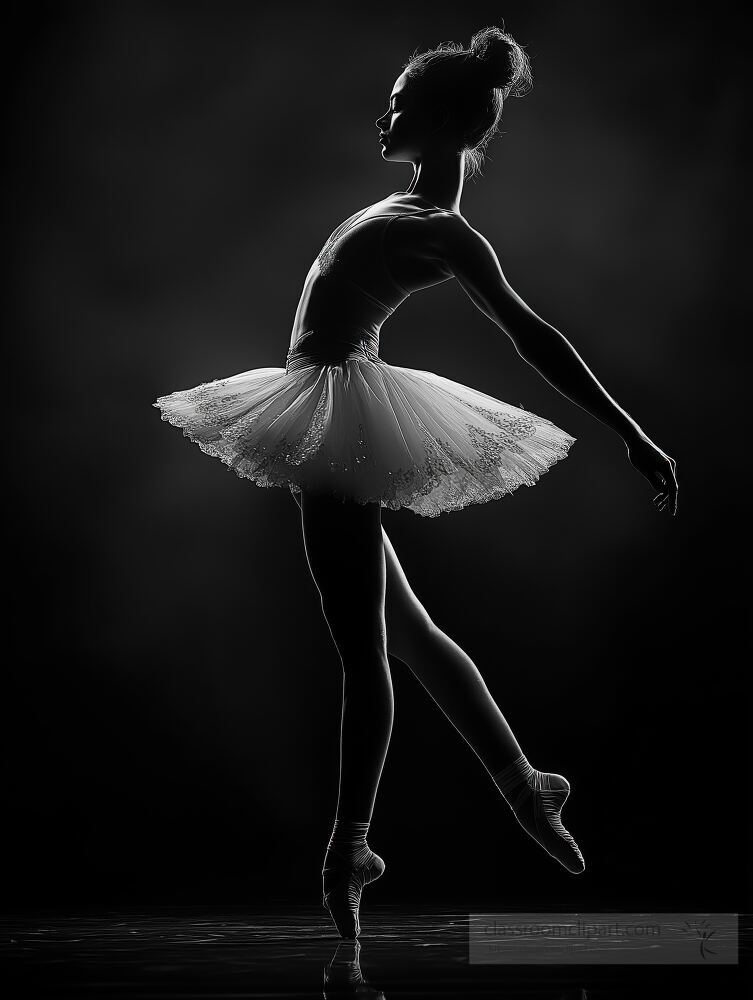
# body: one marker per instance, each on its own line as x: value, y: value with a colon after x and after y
x: 454, y: 682
x: 345, y: 553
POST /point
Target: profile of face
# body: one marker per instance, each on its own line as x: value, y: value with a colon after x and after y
x: 412, y: 125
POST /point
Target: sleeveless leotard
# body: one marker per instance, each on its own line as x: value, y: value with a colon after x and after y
x: 339, y: 420
x: 348, y: 293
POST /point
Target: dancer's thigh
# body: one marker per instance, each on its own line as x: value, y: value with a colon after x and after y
x: 407, y: 619
x: 345, y: 553
x: 403, y: 609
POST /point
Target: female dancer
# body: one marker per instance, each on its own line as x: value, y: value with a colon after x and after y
x: 348, y: 434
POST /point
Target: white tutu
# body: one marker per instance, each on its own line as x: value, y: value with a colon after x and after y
x: 367, y: 431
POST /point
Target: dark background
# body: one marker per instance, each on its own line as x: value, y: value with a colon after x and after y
x: 172, y: 170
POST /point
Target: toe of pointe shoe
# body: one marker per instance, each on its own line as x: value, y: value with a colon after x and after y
x: 348, y: 930
x: 575, y: 865
x: 346, y: 923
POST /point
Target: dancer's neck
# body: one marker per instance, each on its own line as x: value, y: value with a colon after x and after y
x: 438, y: 178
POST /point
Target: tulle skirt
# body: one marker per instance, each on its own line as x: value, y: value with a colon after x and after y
x: 366, y: 431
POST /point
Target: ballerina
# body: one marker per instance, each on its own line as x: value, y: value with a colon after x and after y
x: 348, y: 434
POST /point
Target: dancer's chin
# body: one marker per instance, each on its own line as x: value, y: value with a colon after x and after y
x: 388, y: 154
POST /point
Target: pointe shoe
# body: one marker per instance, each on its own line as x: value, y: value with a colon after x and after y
x: 341, y: 892
x: 538, y: 807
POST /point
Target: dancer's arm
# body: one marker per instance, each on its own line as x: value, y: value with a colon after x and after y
x: 474, y: 263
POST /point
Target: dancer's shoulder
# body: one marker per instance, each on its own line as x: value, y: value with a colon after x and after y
x: 448, y: 235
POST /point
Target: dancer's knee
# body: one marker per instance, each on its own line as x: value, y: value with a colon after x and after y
x: 357, y: 628
x: 409, y: 632
x: 362, y: 652
x: 364, y: 663
x: 368, y: 653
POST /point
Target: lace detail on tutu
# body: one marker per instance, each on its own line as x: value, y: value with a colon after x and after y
x: 212, y: 406
x: 369, y: 432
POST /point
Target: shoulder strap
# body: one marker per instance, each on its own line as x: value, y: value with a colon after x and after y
x: 399, y: 215
x: 343, y: 228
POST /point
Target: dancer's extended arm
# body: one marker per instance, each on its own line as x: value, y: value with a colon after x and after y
x: 474, y: 263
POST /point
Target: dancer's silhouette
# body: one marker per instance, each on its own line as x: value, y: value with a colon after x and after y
x: 350, y: 434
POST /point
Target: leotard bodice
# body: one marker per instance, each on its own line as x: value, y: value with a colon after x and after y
x: 349, y: 292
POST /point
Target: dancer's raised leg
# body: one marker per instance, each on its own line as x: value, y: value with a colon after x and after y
x: 454, y: 682
x: 345, y: 553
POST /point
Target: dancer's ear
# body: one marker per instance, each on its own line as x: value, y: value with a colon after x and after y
x: 441, y: 119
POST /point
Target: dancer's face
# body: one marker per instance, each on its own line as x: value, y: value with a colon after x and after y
x: 410, y: 124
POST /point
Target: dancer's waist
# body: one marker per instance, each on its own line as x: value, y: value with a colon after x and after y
x: 315, y: 349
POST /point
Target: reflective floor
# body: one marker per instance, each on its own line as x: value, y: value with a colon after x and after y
x: 233, y: 952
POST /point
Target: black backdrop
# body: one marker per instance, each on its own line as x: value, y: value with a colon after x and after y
x: 174, y: 694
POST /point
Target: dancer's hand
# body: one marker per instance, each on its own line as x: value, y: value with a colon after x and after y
x: 657, y: 467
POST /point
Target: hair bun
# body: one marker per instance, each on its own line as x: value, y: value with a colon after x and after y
x: 499, y: 59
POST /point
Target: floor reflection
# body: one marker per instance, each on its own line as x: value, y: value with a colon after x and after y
x: 343, y: 975
x: 198, y: 952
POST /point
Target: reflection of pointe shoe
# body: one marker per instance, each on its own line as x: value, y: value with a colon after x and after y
x: 344, y: 968
x: 343, y: 976
x: 537, y: 806
x: 342, y: 884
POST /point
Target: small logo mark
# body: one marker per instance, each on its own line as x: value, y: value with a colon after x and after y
x: 704, y: 934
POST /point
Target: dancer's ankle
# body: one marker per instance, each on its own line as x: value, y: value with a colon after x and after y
x: 513, y: 777
x: 348, y: 841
